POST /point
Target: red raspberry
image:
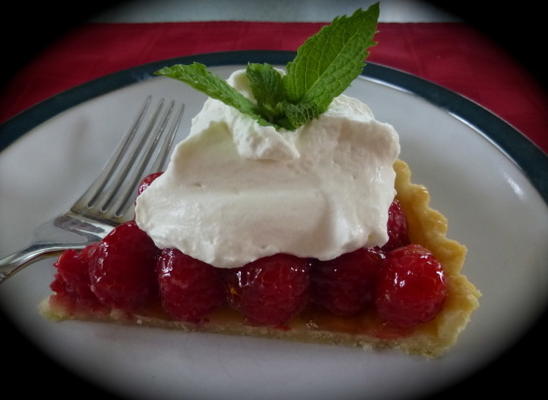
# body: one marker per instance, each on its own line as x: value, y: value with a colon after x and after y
x: 345, y: 285
x: 270, y: 290
x: 411, y: 288
x: 122, y: 270
x: 147, y: 180
x: 398, y: 235
x: 72, y: 277
x: 189, y: 288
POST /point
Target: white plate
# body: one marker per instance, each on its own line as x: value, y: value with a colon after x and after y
x: 490, y: 203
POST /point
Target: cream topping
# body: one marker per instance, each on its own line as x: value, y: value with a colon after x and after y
x: 236, y: 191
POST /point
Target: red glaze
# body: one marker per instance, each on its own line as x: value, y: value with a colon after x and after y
x: 147, y: 180
x: 271, y: 290
x: 411, y: 288
x: 72, y: 278
x: 189, y: 289
x: 398, y: 235
x: 345, y: 285
x: 122, y: 268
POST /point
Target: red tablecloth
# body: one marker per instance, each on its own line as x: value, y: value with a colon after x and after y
x: 450, y: 54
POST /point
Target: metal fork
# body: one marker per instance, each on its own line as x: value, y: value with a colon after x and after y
x: 109, y: 200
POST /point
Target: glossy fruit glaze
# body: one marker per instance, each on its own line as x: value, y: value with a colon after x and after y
x: 385, y: 292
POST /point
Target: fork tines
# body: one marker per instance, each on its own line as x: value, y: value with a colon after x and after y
x: 141, y: 152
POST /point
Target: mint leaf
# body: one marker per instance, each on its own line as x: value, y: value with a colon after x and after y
x: 329, y: 61
x: 296, y: 115
x: 324, y: 67
x: 197, y: 76
x: 266, y: 85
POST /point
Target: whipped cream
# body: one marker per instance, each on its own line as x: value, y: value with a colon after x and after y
x: 236, y: 191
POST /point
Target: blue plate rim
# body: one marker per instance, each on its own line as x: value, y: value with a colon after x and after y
x: 532, y: 161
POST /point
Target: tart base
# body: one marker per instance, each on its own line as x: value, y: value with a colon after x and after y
x: 427, y: 227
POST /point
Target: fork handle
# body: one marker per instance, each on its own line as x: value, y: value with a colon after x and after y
x: 13, y: 263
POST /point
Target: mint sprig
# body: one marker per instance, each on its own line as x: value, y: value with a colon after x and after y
x: 325, y: 65
x: 267, y: 87
x: 198, y: 76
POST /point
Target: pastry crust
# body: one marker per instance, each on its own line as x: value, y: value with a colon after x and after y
x: 427, y: 227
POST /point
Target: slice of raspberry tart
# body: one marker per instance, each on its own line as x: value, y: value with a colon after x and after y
x: 286, y: 213
x: 410, y: 295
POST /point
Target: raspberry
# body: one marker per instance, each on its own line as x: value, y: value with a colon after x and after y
x: 345, y: 285
x: 72, y: 277
x: 411, y: 288
x: 122, y: 268
x: 270, y: 290
x: 398, y: 235
x: 147, y: 180
x: 189, y: 288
